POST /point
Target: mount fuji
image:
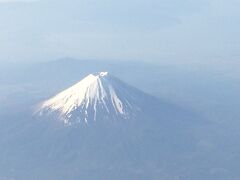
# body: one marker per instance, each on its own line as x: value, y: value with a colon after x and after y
x: 98, y: 97
x: 100, y: 128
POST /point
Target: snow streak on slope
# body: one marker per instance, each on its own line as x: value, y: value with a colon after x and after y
x: 97, y: 96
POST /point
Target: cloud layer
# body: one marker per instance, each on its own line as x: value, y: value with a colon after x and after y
x: 120, y: 29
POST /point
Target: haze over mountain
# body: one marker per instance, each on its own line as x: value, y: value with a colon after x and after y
x: 171, y: 143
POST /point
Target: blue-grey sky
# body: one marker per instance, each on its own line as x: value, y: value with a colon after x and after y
x: 148, y: 30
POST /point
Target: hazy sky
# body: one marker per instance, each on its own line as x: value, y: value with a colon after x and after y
x: 149, y: 30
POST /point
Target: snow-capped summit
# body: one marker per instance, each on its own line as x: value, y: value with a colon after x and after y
x: 99, y: 96
x: 103, y: 73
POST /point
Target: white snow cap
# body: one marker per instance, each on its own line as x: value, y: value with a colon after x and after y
x: 97, y: 93
x: 103, y: 73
